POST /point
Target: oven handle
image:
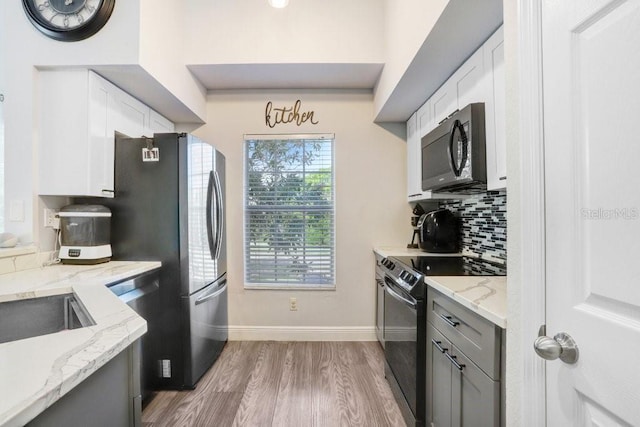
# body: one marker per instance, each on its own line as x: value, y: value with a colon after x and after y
x: 399, y: 297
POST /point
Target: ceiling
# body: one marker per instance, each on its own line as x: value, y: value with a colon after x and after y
x: 287, y: 76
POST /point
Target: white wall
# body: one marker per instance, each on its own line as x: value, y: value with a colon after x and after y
x: 163, y: 34
x: 407, y: 24
x: 371, y: 210
x: 306, y: 31
x: 22, y: 49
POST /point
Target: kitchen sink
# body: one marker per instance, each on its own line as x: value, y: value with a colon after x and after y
x: 33, y: 317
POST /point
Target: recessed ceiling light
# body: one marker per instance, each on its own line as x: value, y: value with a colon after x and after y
x: 279, y: 4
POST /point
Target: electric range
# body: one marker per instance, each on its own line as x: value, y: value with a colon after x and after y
x: 405, y: 321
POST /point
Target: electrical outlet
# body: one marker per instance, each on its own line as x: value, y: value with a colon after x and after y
x: 50, y: 218
x: 293, y: 304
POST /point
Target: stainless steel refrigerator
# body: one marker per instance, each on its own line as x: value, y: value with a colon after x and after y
x: 169, y: 206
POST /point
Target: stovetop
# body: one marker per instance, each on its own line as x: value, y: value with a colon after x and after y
x: 408, y: 272
x: 452, y: 266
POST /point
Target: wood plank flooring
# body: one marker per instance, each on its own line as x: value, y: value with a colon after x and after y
x: 281, y: 384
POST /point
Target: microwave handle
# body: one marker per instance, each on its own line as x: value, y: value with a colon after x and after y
x: 457, y: 126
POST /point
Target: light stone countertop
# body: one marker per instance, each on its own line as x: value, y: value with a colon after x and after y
x: 36, y: 372
x: 485, y: 295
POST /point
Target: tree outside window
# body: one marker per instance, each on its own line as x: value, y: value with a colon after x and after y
x: 289, y: 211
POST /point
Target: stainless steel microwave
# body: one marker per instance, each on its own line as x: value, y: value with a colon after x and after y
x: 453, y: 154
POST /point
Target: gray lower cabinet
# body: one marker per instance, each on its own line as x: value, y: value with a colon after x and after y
x: 459, y: 393
x: 109, y: 397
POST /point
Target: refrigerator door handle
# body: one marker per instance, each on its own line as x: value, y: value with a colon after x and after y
x: 212, y: 294
x: 210, y: 197
x: 219, y: 214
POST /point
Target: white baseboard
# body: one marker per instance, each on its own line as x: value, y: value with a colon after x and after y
x: 302, y: 333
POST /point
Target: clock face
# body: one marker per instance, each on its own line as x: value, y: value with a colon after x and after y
x: 68, y: 20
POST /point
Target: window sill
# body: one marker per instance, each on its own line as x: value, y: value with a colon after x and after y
x: 18, y: 250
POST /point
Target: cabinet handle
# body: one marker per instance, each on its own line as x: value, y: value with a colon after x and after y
x: 454, y: 361
x: 502, y: 178
x: 438, y: 346
x: 449, y: 320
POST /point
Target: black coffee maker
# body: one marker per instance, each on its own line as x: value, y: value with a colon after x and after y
x: 417, y: 213
x: 439, y: 232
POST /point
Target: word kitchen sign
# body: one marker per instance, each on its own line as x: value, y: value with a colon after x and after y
x: 276, y: 115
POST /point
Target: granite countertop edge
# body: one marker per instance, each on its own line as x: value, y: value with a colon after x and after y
x: 484, y: 295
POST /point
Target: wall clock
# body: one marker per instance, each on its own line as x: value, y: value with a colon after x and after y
x: 68, y: 20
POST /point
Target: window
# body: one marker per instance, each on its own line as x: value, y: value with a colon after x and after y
x: 289, y: 211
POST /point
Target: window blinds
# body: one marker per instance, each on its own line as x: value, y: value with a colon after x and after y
x: 289, y: 211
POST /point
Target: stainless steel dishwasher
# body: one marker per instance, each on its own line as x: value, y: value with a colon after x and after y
x: 141, y: 294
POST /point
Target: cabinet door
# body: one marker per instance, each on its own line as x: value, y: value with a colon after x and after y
x: 102, y: 108
x: 63, y: 146
x: 159, y: 124
x: 495, y: 112
x: 469, y: 82
x: 439, y: 375
x: 443, y: 102
x: 425, y: 120
x: 413, y: 158
x: 133, y: 117
x: 475, y: 398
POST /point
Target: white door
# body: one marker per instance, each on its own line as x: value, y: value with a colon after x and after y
x: 591, y: 74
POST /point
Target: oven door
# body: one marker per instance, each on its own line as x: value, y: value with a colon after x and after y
x: 401, y: 340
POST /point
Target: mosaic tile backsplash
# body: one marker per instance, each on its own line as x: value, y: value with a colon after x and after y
x: 484, y: 224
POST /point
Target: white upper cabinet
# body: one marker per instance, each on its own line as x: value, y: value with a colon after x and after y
x: 495, y: 112
x: 137, y: 119
x: 468, y: 81
x: 480, y: 79
x: 443, y: 102
x: 425, y: 120
x: 100, y: 152
x: 413, y: 158
x: 133, y: 116
x: 464, y: 86
x: 159, y: 124
x: 79, y: 115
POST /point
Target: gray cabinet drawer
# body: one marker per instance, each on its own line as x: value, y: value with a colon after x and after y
x: 475, y: 336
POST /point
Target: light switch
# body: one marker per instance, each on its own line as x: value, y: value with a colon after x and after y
x: 16, y: 211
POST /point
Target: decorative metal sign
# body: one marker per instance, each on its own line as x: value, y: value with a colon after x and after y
x: 284, y: 115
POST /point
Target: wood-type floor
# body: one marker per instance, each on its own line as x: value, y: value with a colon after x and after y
x: 282, y: 384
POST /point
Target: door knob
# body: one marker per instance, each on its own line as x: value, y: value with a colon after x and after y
x: 561, y: 346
